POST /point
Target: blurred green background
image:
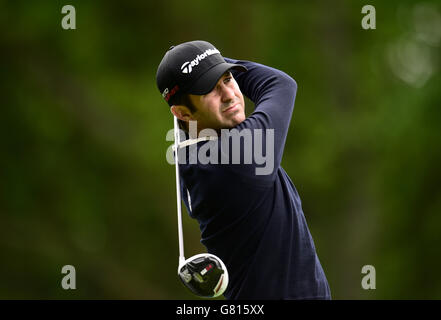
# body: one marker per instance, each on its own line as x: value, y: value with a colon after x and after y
x: 83, y: 174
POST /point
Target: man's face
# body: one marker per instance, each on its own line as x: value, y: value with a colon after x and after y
x: 222, y: 108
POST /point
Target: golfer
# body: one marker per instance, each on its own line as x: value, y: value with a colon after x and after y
x: 251, y: 219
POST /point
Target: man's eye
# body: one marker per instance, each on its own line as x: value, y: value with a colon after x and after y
x: 227, y: 79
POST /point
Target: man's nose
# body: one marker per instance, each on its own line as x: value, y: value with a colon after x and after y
x: 227, y: 94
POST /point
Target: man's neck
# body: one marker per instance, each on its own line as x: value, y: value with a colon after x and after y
x: 194, y: 131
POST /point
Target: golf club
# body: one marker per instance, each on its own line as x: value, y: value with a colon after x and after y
x: 204, y: 274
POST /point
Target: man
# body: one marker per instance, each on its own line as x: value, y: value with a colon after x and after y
x: 253, y: 221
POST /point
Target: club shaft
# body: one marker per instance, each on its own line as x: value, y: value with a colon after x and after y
x: 178, y: 191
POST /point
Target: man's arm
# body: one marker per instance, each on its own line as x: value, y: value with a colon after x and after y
x: 273, y: 93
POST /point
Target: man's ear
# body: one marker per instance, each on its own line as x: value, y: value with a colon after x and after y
x: 181, y: 112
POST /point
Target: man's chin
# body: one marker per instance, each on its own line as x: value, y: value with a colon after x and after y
x: 233, y: 121
x: 238, y: 119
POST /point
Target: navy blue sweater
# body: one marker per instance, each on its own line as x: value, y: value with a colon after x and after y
x: 255, y: 222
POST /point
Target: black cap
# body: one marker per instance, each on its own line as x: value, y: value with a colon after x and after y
x: 191, y: 68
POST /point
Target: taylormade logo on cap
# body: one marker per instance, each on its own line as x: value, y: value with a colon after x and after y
x: 187, y: 67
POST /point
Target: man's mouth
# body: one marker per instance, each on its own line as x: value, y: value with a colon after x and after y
x: 231, y: 108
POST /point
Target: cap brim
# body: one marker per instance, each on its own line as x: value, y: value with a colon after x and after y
x: 209, y: 79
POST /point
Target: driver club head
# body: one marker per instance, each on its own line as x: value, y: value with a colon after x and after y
x: 204, y: 274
